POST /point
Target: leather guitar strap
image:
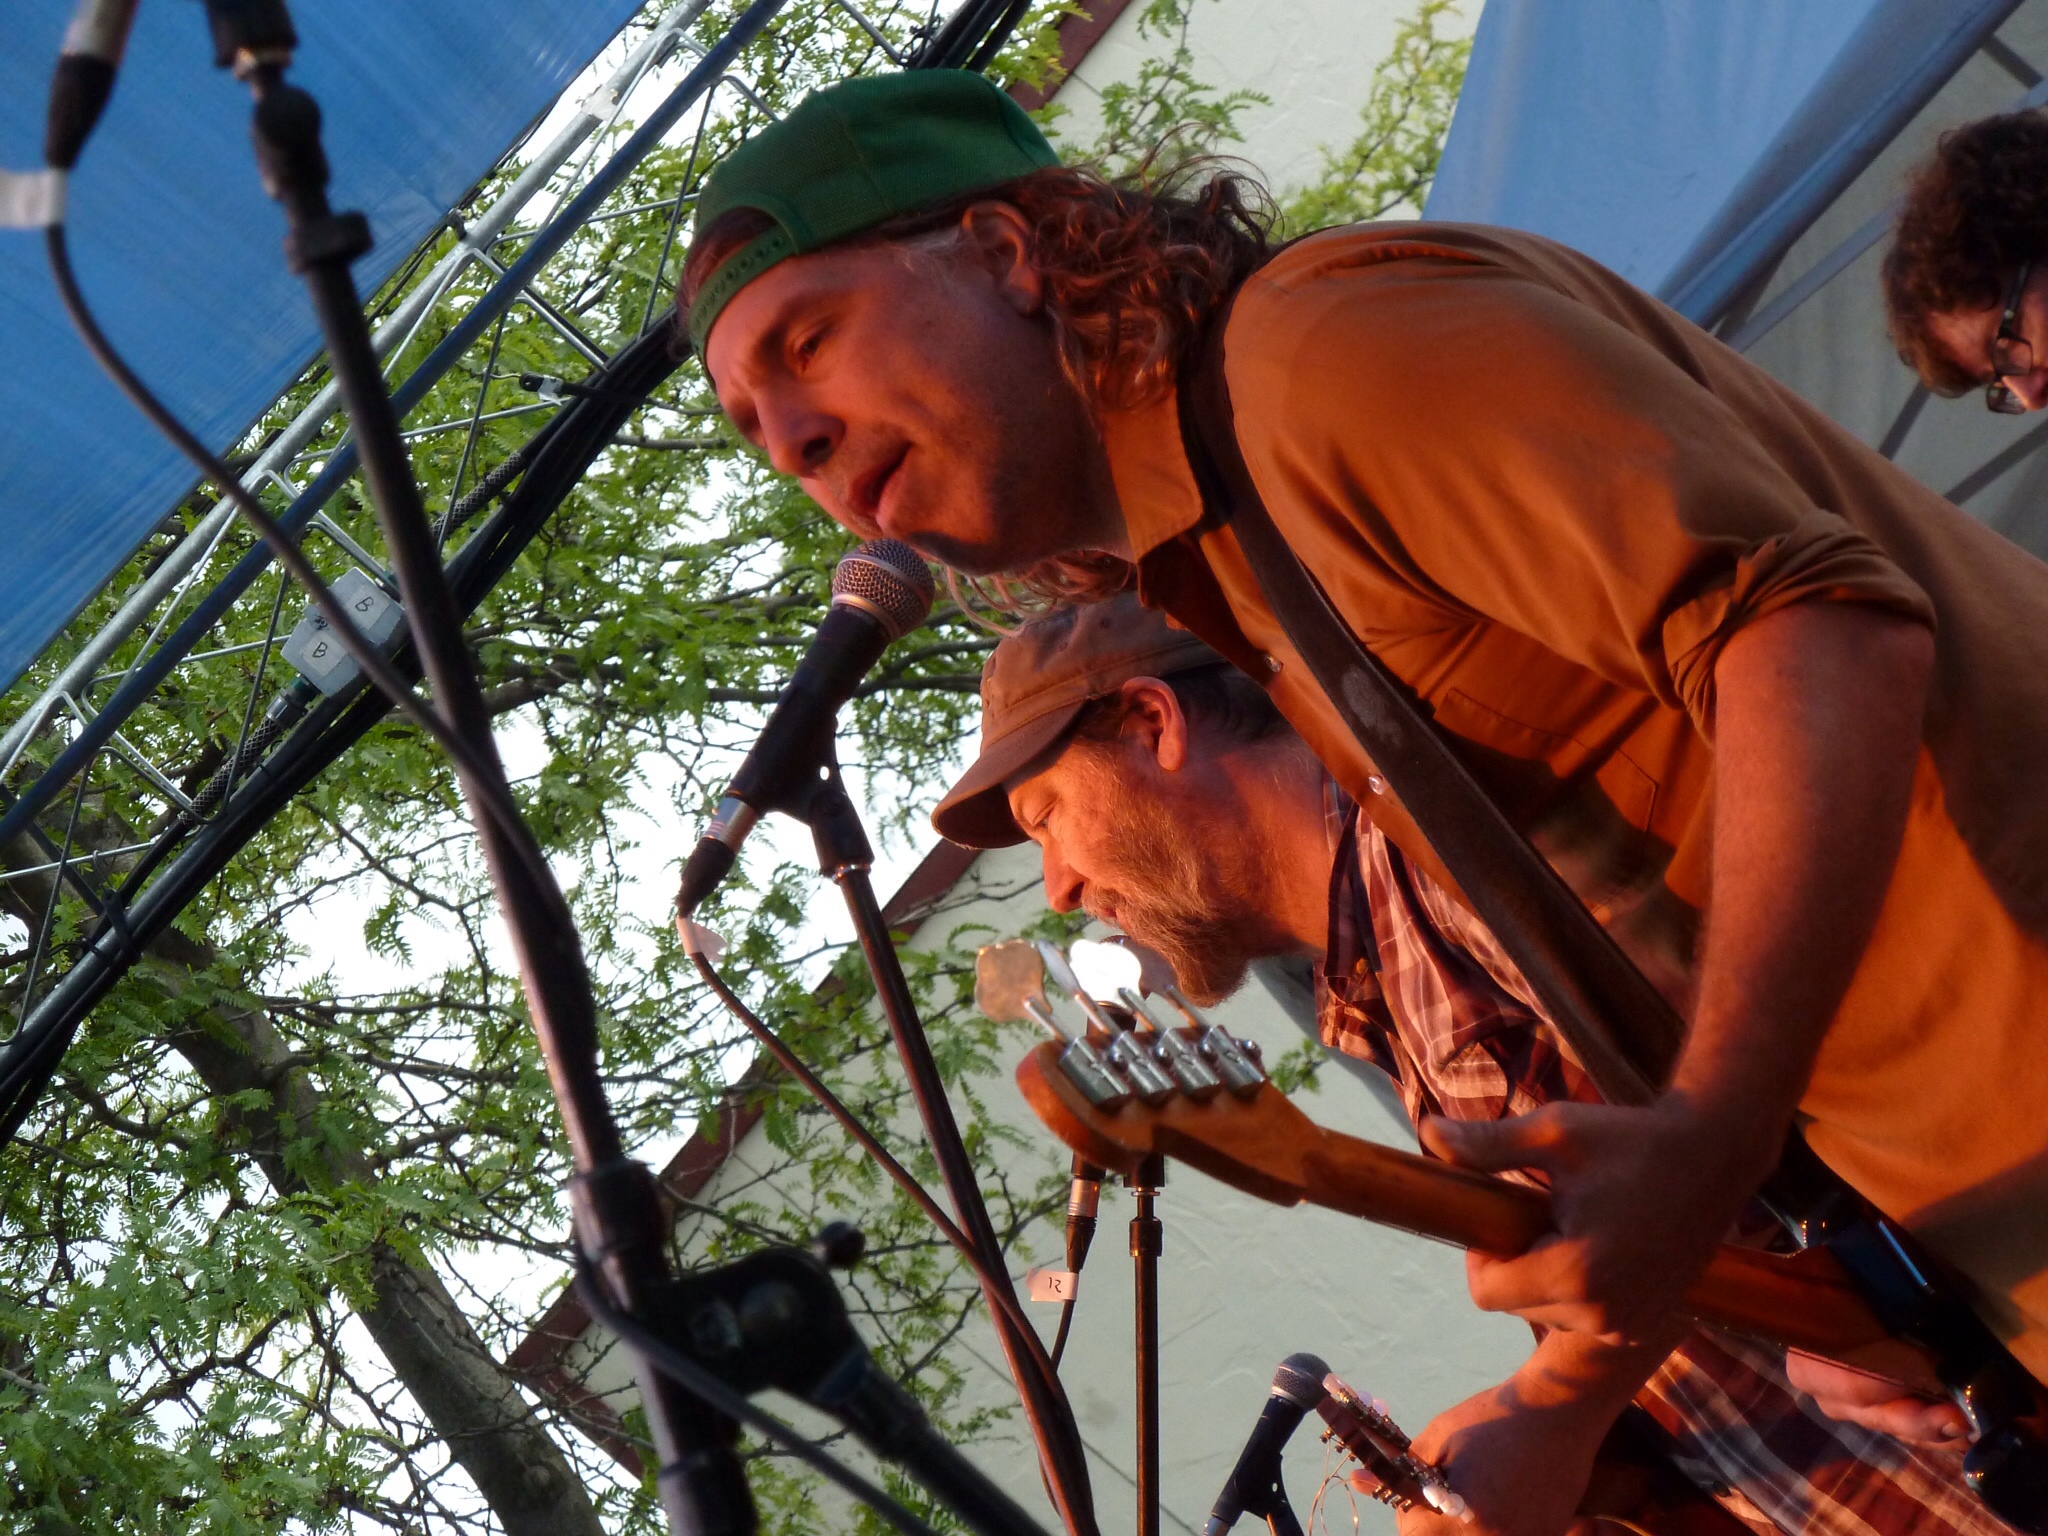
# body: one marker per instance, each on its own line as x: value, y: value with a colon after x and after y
x: 1578, y: 972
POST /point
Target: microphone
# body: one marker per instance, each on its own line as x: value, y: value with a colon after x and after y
x: 93, y: 45
x: 1255, y: 1482
x: 880, y: 592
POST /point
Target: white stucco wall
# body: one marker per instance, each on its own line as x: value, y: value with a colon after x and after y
x: 1312, y: 59
x: 1243, y: 1284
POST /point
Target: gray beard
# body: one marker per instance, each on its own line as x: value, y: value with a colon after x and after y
x: 1181, y: 904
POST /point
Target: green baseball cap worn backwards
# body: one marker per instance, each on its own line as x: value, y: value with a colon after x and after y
x: 858, y: 154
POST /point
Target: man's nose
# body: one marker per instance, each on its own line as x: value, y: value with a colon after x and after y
x: 2032, y: 388
x: 1063, y: 887
x: 799, y: 437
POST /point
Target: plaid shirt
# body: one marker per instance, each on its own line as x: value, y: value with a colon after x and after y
x: 1416, y: 985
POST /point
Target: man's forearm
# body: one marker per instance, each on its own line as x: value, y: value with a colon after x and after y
x: 1817, y: 728
x: 1585, y: 1376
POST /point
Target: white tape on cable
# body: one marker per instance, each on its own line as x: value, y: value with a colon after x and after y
x: 699, y: 940
x: 31, y: 199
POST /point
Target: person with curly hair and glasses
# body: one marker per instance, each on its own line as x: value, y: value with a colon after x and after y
x: 1773, y: 709
x: 1966, y: 278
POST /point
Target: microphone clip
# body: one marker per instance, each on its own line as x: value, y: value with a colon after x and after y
x: 775, y: 1318
x: 817, y: 798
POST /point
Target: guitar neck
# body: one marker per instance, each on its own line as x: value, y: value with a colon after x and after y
x: 1803, y: 1301
x: 1265, y: 1146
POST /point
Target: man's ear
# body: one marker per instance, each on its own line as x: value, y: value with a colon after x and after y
x: 999, y: 238
x: 1153, y: 721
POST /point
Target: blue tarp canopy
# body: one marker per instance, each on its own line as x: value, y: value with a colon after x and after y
x: 1685, y: 143
x: 179, y: 250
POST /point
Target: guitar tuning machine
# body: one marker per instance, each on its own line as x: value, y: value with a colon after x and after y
x: 1149, y: 1080
x: 1235, y: 1062
x: 1173, y: 1050
x: 1009, y: 987
x: 1125, y: 1048
x: 1364, y: 1427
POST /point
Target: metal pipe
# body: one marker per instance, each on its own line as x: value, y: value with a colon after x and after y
x: 1148, y: 1241
x: 302, y: 428
x: 145, y: 676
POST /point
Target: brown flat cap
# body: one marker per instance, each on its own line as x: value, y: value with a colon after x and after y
x: 1034, y: 686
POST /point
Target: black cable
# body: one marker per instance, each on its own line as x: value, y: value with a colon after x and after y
x: 1059, y: 1338
x: 868, y: 1143
x: 698, y: 1382
x: 287, y: 553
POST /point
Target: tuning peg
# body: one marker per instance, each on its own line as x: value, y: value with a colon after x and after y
x: 1241, y: 1072
x: 1175, y: 1053
x: 1009, y: 987
x: 1148, y: 1079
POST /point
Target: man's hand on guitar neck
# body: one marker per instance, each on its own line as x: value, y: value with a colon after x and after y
x: 1640, y: 1199
x: 1521, y: 1453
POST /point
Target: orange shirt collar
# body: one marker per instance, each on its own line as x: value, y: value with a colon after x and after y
x: 1154, y: 485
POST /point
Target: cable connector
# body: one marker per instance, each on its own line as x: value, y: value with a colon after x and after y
x: 32, y: 199
x: 84, y: 78
x: 248, y: 33
x: 1084, y: 1196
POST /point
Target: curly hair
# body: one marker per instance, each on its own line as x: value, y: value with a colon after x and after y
x: 1134, y: 267
x: 1972, y: 214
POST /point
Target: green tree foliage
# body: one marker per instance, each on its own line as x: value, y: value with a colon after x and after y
x: 266, y: 1179
x: 1387, y: 169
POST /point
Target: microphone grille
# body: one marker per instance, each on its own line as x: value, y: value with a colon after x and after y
x: 1300, y: 1379
x: 890, y: 580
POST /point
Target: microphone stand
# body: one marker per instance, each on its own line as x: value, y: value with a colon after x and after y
x: 845, y: 856
x: 618, y: 1217
x: 1148, y: 1242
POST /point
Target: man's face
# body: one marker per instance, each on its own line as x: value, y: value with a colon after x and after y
x: 916, y: 392
x: 1148, y: 841
x: 1966, y: 336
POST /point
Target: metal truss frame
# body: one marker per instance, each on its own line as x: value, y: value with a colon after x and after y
x: 78, y: 740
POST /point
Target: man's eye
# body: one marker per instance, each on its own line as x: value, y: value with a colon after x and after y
x: 807, y: 346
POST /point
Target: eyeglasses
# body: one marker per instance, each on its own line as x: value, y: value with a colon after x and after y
x: 2011, y: 353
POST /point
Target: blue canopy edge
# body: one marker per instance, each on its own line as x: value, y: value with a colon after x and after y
x: 1687, y: 143
x: 180, y: 252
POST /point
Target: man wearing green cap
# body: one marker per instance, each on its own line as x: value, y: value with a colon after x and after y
x: 1171, y: 800
x: 1775, y: 711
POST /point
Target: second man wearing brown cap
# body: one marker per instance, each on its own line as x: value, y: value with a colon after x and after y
x: 1170, y: 799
